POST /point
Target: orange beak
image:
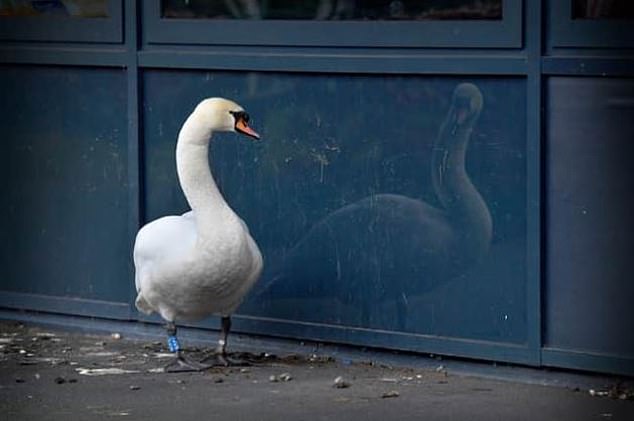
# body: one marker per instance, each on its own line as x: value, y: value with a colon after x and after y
x: 243, y: 127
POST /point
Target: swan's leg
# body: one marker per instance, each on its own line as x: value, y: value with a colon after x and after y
x: 220, y: 354
x: 180, y: 363
x: 225, y: 327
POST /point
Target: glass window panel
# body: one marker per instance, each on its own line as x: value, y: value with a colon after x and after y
x: 63, y: 178
x: 334, y: 9
x: 71, y: 8
x: 602, y: 9
x: 349, y: 195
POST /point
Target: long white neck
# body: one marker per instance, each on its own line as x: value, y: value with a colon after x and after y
x: 194, y: 174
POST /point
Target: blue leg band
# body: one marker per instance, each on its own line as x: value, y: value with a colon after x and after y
x: 172, y: 344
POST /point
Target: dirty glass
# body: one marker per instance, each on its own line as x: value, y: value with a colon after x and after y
x: 334, y: 9
x: 64, y: 196
x: 71, y: 8
x: 602, y: 9
x: 380, y: 202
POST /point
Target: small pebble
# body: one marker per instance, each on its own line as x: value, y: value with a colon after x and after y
x: 286, y: 377
x: 597, y: 392
x: 340, y: 383
x: 180, y: 381
x: 59, y: 380
x: 218, y: 380
x: 19, y: 380
x: 273, y: 378
x: 390, y: 394
x: 115, y: 335
x: 135, y: 387
x: 244, y: 370
x: 72, y: 380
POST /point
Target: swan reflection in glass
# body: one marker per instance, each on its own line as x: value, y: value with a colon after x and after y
x: 357, y: 253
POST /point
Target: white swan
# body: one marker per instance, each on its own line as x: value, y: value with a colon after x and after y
x: 203, y: 262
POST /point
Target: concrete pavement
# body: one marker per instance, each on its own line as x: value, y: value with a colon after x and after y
x: 52, y: 374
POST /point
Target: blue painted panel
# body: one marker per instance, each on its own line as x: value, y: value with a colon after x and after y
x: 340, y: 197
x: 589, y: 290
x: 64, y: 197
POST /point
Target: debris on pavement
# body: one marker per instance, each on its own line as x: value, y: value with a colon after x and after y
x: 100, y: 367
x: 284, y: 377
x: 104, y: 371
x: 340, y: 383
x: 391, y: 394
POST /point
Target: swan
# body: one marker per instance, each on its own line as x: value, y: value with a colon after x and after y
x: 204, y: 261
x: 390, y: 246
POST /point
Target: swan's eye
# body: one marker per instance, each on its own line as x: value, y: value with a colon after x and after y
x: 241, y: 124
x: 240, y: 115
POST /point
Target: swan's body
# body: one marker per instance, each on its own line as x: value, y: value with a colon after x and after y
x: 185, y: 277
x: 389, y: 246
x: 203, y: 262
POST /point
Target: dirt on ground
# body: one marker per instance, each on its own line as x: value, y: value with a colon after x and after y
x: 58, y: 375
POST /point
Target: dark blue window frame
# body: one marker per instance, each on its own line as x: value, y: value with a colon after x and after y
x: 504, y: 33
x: 589, y: 33
x: 65, y: 29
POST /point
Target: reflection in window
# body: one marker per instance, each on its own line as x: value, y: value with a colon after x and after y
x: 72, y: 8
x: 602, y: 9
x: 334, y: 9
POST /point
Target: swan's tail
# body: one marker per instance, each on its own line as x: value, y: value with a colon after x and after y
x: 142, y: 305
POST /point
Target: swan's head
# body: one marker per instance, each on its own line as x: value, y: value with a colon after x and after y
x: 224, y: 115
x: 466, y: 105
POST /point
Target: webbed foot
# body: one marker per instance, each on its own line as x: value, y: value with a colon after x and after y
x: 182, y: 364
x: 221, y: 359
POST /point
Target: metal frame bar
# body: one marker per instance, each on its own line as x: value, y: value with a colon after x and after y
x: 583, y: 66
x: 64, y: 305
x: 449, y: 346
x: 135, y: 203
x: 534, y: 183
x: 336, y: 62
x: 555, y: 357
x: 64, y: 56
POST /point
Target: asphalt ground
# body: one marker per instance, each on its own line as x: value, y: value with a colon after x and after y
x: 58, y: 374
